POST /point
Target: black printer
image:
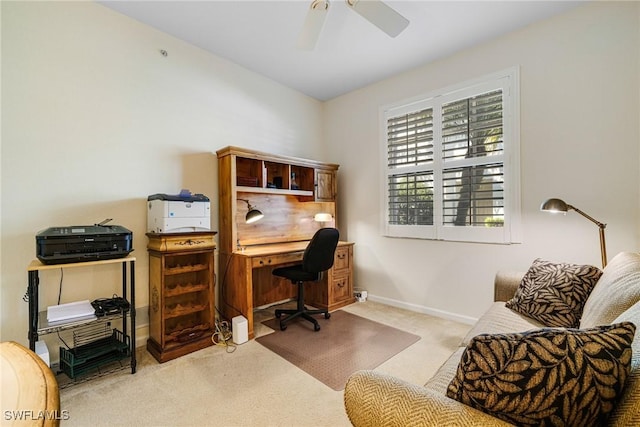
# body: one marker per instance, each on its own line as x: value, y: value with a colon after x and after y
x: 78, y: 243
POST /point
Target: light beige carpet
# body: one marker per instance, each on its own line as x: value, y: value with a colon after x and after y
x: 345, y: 344
x: 251, y: 386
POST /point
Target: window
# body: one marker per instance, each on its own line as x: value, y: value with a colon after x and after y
x: 452, y: 163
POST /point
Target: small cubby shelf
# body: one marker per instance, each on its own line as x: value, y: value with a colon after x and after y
x: 256, y: 175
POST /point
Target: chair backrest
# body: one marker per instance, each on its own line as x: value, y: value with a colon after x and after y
x: 320, y: 252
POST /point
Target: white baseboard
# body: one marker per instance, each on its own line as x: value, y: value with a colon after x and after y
x: 424, y: 310
x: 142, y: 326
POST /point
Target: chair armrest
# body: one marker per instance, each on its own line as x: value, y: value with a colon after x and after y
x: 505, y: 284
x: 376, y: 399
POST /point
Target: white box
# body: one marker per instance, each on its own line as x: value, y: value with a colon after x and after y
x: 168, y: 216
x: 70, y: 312
x: 240, y: 329
x: 43, y: 352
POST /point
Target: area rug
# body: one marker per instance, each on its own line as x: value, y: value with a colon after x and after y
x: 345, y: 344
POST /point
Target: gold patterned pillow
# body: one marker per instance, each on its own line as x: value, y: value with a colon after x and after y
x: 554, y: 293
x: 568, y: 377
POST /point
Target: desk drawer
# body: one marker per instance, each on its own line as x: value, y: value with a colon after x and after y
x: 276, y: 259
x: 341, y: 288
x: 341, y: 261
x: 181, y: 242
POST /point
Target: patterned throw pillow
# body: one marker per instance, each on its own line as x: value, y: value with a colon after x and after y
x: 554, y: 293
x: 568, y: 377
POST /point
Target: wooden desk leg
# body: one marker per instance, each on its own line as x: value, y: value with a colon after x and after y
x: 237, y: 288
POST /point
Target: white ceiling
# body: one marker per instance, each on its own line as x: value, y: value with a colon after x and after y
x: 351, y: 52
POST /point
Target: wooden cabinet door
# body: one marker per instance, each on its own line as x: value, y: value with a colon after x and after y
x: 325, y: 185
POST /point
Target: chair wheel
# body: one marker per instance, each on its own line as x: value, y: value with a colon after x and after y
x: 316, y: 327
x: 327, y: 315
x: 283, y: 327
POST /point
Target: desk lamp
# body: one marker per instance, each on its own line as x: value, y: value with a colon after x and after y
x: 253, y: 214
x: 323, y: 217
x: 557, y: 205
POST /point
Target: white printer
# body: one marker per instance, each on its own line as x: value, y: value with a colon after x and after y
x: 180, y: 213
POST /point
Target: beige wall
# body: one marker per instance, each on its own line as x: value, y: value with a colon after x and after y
x: 95, y: 119
x: 580, y: 141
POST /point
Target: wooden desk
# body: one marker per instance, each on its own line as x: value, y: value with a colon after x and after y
x: 247, y: 281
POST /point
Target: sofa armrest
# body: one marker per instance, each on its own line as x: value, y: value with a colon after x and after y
x: 376, y: 399
x: 505, y: 284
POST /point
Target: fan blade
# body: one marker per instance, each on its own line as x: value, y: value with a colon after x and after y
x: 380, y: 15
x: 313, y: 24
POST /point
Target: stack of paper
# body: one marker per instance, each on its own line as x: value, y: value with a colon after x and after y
x: 71, y: 312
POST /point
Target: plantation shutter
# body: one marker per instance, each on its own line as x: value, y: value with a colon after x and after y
x: 451, y: 161
x: 410, y: 166
x: 472, y: 149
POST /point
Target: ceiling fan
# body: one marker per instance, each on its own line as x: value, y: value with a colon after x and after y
x: 374, y: 11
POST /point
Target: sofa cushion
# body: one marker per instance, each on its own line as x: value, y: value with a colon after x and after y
x: 500, y: 320
x: 546, y: 376
x: 616, y: 291
x: 555, y: 293
x: 627, y: 411
x: 443, y: 376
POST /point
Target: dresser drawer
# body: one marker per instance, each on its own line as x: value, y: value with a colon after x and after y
x: 276, y: 259
x: 173, y: 243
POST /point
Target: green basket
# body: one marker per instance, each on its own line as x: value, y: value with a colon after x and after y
x: 94, y: 355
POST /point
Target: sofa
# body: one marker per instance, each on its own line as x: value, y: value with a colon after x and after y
x: 375, y: 398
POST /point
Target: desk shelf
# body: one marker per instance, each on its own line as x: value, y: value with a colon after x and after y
x: 304, y: 193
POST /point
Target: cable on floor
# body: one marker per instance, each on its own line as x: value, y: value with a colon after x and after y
x: 222, y: 336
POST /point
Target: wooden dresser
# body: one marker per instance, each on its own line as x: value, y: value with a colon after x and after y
x: 181, y: 293
x: 289, y: 192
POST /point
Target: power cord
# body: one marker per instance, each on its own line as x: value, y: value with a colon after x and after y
x: 222, y: 336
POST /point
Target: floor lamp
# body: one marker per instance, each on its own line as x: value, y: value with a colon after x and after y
x: 557, y: 205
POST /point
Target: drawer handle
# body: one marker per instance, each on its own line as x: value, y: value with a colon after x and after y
x: 190, y: 242
x: 341, y: 256
x: 341, y: 284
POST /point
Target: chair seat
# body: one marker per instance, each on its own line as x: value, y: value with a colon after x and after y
x: 296, y: 273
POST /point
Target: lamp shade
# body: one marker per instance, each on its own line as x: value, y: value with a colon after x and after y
x: 554, y: 205
x: 323, y: 217
x: 253, y: 215
x: 557, y: 205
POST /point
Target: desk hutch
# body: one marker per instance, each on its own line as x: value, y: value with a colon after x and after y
x: 289, y: 191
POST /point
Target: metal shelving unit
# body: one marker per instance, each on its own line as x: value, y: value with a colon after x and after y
x: 92, y: 353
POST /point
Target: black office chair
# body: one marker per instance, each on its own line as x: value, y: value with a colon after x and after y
x: 317, y: 258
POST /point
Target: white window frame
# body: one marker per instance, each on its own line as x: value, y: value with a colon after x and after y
x: 509, y: 81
